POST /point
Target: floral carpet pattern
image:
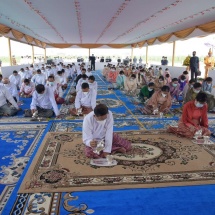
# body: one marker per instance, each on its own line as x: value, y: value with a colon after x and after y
x: 156, y: 159
x: 17, y: 145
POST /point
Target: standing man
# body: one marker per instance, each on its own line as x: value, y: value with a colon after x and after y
x: 194, y: 66
x: 209, y: 62
x: 93, y: 61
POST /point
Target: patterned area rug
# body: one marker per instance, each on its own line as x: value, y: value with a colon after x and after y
x: 17, y: 145
x: 156, y: 159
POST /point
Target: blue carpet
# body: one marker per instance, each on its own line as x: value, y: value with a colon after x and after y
x: 189, y: 200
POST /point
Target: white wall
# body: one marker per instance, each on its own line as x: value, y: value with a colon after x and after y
x: 8, y: 70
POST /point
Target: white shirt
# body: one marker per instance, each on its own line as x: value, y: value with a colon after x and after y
x: 45, y: 100
x: 88, y: 73
x: 60, y: 79
x: 5, y: 94
x: 88, y: 100
x: 11, y: 87
x: 80, y: 82
x: 39, y: 79
x: 27, y: 88
x: 93, y: 86
x: 56, y: 89
x: 49, y: 72
x: 15, y: 79
x: 24, y: 75
x: 93, y: 130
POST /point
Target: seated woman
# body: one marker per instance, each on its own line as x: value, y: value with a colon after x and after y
x: 159, y: 83
x: 98, y: 125
x: 85, y: 100
x: 58, y: 92
x: 194, y: 118
x: 168, y: 79
x: 174, y: 89
x: 127, y: 71
x: 27, y: 89
x: 112, y: 75
x: 192, y: 93
x: 207, y: 85
x: 131, y: 84
x: 120, y: 80
x: 182, y: 82
x: 146, y: 92
x: 187, y: 87
x: 186, y: 74
x: 160, y: 102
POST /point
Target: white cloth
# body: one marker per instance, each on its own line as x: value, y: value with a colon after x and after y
x: 15, y: 79
x: 45, y: 100
x: 80, y: 82
x: 49, y: 72
x: 60, y: 79
x: 92, y: 130
x: 39, y: 79
x: 11, y: 87
x: 6, y: 95
x: 88, y: 100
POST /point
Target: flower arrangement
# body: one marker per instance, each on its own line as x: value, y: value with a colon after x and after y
x: 187, y: 61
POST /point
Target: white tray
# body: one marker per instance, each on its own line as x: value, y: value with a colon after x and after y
x: 201, y: 141
x: 102, y: 162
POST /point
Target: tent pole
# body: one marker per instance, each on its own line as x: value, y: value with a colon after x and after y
x: 32, y: 54
x: 146, y: 54
x: 44, y: 55
x: 9, y: 47
x: 132, y: 54
x: 89, y: 52
x: 173, y: 54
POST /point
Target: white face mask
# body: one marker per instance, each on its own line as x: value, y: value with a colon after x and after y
x: 150, y: 89
x: 85, y: 93
x: 164, y: 95
x: 160, y: 81
x: 131, y: 79
x: 102, y: 122
x: 141, y: 74
x: 50, y: 83
x: 209, y: 84
x: 199, y: 105
x: 174, y: 85
x: 196, y: 91
x: 182, y: 81
x: 191, y: 86
x: 5, y: 85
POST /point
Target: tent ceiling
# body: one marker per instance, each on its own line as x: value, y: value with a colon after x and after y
x: 103, y: 21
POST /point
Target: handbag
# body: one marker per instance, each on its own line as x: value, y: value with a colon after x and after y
x: 198, y: 73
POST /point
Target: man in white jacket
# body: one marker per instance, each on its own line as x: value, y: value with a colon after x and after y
x: 15, y: 78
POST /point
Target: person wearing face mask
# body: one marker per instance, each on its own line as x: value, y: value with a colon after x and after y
x: 27, y: 89
x: 207, y: 85
x: 98, y: 125
x: 11, y: 88
x: 192, y: 93
x: 182, y: 82
x: 188, y: 87
x: 146, y: 92
x: 88, y: 72
x: 92, y: 83
x: 168, y: 79
x: 160, y: 102
x: 38, y: 78
x: 193, y: 119
x: 120, y: 80
x: 84, y: 100
x: 127, y: 71
x: 112, y: 75
x: 58, y: 92
x: 130, y: 84
x: 185, y: 73
x: 159, y: 83
x: 174, y: 87
x: 43, y: 101
x: 84, y: 79
x: 24, y: 74
x: 15, y: 78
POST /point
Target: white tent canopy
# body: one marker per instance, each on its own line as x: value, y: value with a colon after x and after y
x: 104, y: 21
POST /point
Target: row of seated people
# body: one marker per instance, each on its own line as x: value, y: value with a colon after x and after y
x: 15, y: 86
